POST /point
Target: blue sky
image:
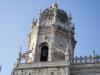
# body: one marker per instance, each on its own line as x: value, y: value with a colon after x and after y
x: 15, y: 24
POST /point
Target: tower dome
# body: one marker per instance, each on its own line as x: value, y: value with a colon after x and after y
x: 53, y: 11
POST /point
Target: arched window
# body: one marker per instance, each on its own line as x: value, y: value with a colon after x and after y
x: 44, y: 53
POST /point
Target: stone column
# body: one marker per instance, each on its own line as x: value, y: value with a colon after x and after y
x: 67, y: 59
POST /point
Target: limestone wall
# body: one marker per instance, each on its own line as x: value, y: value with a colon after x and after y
x: 43, y: 68
x: 43, y: 71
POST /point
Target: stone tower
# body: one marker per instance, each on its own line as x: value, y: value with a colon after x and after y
x: 51, y: 45
x: 52, y: 36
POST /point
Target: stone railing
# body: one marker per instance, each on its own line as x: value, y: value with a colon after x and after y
x: 87, y: 59
x: 42, y: 64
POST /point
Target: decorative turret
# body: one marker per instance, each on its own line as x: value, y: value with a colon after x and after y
x: 52, y: 36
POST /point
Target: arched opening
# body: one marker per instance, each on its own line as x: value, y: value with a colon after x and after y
x: 44, y: 53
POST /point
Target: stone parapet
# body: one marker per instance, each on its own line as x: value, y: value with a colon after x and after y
x: 86, y: 59
x: 42, y: 65
x: 83, y: 68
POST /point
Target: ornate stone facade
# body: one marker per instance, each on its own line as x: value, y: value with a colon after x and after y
x: 51, y: 48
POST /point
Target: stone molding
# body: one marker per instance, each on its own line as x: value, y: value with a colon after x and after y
x: 42, y: 65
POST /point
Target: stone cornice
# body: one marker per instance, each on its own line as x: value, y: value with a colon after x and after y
x: 42, y: 65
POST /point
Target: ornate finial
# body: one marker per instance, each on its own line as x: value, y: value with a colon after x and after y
x: 70, y: 16
x: 33, y: 20
x: 94, y: 54
x: 20, y: 52
x: 73, y: 27
x: 19, y: 56
x: 54, y: 5
x: 41, y: 10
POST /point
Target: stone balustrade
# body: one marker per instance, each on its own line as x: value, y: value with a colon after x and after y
x: 86, y: 59
x: 42, y: 64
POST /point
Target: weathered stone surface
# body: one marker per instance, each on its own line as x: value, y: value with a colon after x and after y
x: 51, y: 48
